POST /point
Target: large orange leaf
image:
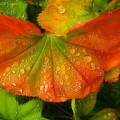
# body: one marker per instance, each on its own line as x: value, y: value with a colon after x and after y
x: 49, y: 67
x: 102, y: 35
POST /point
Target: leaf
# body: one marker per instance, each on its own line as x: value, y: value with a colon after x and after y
x: 8, y: 105
x: 60, y: 15
x: 42, y: 3
x: 16, y: 8
x: 102, y: 35
x: 113, y: 75
x: 83, y: 107
x: 30, y: 111
x: 49, y: 67
x: 11, y: 110
x: 106, y: 114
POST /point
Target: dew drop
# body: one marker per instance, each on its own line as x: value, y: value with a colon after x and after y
x: 93, y: 65
x: 72, y: 51
x: 15, y: 113
x: 45, y: 88
x: 57, y: 68
x: 41, y: 88
x: 68, y: 68
x: 46, y: 61
x: 3, y: 84
x: 22, y: 71
x: 20, y: 90
x: 87, y: 59
x: 4, y: 74
x: 28, y: 68
x: 13, y: 71
x: 77, y: 54
x: 61, y: 9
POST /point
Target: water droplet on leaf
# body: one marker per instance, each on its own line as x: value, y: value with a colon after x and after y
x: 87, y: 59
x: 20, y: 90
x: 61, y: 9
x: 22, y: 71
x: 72, y: 51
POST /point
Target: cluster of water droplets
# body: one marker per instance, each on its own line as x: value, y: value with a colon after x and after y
x: 17, y: 70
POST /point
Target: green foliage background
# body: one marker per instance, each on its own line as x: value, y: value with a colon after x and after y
x: 102, y: 105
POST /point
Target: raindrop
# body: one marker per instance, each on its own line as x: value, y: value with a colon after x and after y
x: 38, y: 105
x: 72, y: 51
x: 20, y: 90
x: 46, y: 88
x: 77, y: 54
x: 15, y: 113
x: 41, y: 88
x: 68, y: 68
x: 4, y: 74
x: 18, y: 108
x: 57, y: 68
x: 61, y: 9
x: 13, y: 71
x: 28, y: 68
x: 93, y: 65
x: 3, y: 84
x: 46, y: 61
x: 87, y: 59
x: 22, y: 71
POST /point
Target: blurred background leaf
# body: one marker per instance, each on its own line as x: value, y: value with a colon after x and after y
x: 16, y: 8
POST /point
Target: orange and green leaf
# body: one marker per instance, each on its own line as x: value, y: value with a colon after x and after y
x: 50, y: 67
x: 58, y: 68
x: 61, y: 15
x: 102, y: 35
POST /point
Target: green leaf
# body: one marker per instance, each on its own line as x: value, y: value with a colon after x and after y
x: 99, y: 6
x: 106, y: 114
x: 8, y: 105
x: 31, y: 109
x: 16, y: 8
x: 82, y: 107
x: 11, y: 110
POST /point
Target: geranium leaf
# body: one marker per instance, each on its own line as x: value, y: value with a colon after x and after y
x: 113, y: 75
x: 102, y: 35
x: 30, y: 111
x: 11, y: 110
x: 60, y: 15
x: 8, y: 109
x: 16, y: 8
x: 51, y: 67
x: 106, y: 114
x: 83, y: 107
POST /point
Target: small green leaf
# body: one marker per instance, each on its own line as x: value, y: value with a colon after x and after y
x: 8, y: 104
x: 82, y: 107
x: 30, y: 110
x: 106, y: 114
x: 16, y: 8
